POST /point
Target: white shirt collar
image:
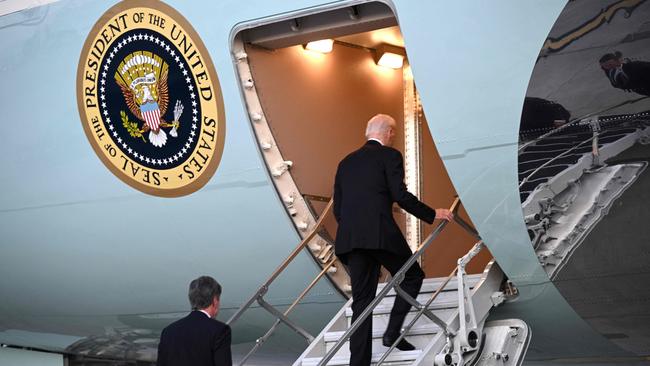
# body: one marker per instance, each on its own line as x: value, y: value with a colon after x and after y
x: 206, y: 313
x: 374, y: 139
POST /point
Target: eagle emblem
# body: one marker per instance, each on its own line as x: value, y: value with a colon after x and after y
x: 142, y: 78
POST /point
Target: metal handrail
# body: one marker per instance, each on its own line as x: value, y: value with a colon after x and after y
x: 550, y: 133
x: 260, y: 341
x: 258, y: 296
x: 577, y: 120
x: 394, y: 283
x: 462, y: 262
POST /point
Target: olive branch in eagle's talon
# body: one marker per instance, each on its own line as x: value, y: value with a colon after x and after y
x: 132, y: 127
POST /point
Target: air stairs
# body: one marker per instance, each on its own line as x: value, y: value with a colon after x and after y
x: 502, y: 342
x: 447, y: 323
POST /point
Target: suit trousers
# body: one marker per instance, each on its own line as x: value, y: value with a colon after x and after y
x: 364, y: 266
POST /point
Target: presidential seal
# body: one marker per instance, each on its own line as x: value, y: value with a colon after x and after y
x: 149, y: 99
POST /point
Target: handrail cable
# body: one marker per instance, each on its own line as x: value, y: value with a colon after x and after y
x: 549, y: 133
x: 260, y: 341
x: 577, y: 120
x: 258, y: 296
x: 395, y: 282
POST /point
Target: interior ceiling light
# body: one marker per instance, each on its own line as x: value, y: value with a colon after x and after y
x: 390, y: 56
x: 322, y: 46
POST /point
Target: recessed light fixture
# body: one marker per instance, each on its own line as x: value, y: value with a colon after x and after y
x: 389, y: 56
x: 322, y: 46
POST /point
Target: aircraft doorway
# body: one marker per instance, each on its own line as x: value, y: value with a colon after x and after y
x: 308, y: 110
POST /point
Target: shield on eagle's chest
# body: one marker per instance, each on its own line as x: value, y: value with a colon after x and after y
x: 151, y: 115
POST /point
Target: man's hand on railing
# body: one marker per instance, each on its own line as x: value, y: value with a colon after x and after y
x: 444, y: 214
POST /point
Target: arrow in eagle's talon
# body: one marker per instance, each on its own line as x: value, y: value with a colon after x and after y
x: 175, y: 125
x: 178, y: 110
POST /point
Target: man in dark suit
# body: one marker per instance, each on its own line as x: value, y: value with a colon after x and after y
x: 631, y: 76
x: 197, y: 339
x: 368, y: 182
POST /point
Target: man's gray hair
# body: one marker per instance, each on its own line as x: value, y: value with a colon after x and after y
x: 378, y: 124
x: 202, y: 292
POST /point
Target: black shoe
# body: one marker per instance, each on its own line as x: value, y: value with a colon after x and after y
x: 403, y: 345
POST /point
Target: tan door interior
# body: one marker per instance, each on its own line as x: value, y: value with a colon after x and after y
x: 317, y: 106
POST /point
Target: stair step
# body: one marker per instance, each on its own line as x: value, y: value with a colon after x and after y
x: 385, y: 308
x: 380, y: 321
x: 430, y: 285
x: 419, y: 337
x: 420, y: 342
x: 418, y: 329
x: 396, y: 358
x: 443, y: 297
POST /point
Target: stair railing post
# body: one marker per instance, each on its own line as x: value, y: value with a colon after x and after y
x: 268, y: 307
x: 468, y: 333
x: 450, y: 334
x: 594, y: 123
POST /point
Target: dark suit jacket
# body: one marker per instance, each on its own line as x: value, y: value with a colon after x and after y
x: 195, y: 340
x: 367, y: 183
x: 638, y: 73
x: 636, y: 78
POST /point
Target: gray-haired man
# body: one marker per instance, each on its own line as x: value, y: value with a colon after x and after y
x: 197, y: 339
x: 368, y: 181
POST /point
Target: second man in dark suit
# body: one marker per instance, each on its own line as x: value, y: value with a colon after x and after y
x: 197, y: 339
x: 368, y: 182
